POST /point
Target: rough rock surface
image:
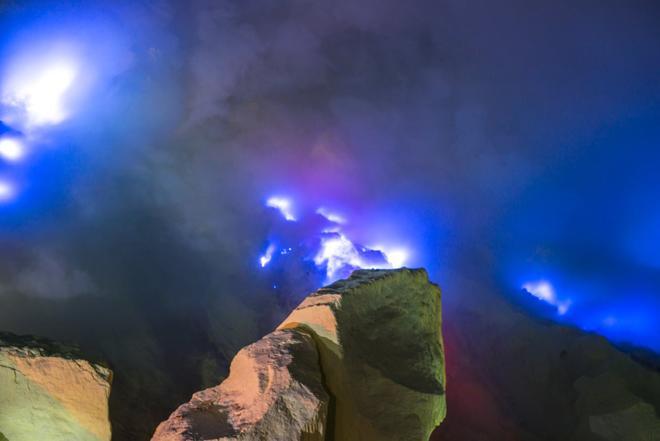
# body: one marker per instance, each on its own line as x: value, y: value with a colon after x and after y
x: 48, y: 392
x: 513, y: 377
x: 361, y: 359
x: 379, y: 335
x: 274, y: 392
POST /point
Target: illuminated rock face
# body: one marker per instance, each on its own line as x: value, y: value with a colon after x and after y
x: 47, y: 392
x: 361, y: 359
x: 379, y: 335
x: 274, y: 392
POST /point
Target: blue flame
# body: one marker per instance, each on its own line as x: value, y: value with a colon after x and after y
x: 11, y: 149
x: 53, y: 75
x: 283, y: 205
x: 620, y: 305
x: 267, y: 256
x: 544, y: 291
x: 37, y: 90
x: 327, y: 246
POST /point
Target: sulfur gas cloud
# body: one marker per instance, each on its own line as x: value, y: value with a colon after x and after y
x: 164, y: 165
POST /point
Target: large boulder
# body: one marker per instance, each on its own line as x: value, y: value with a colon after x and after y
x: 361, y: 359
x: 49, y: 392
x: 379, y: 335
x: 274, y: 392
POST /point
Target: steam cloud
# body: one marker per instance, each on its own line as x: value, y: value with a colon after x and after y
x: 484, y: 135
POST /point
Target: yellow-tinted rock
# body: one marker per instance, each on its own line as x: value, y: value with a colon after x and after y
x: 380, y: 340
x: 48, y: 392
x: 274, y: 392
x: 360, y: 360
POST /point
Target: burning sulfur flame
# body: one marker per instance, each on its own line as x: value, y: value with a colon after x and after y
x: 11, y: 149
x: 40, y: 91
x: 268, y: 256
x: 283, y: 205
x: 544, y: 291
x: 335, y: 253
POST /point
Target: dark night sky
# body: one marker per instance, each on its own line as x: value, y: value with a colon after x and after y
x: 510, y: 141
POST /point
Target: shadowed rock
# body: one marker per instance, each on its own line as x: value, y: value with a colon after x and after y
x: 514, y: 377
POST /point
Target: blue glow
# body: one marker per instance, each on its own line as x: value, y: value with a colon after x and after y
x: 331, y: 216
x: 591, y: 228
x: 328, y: 247
x: 641, y: 235
x: 339, y: 256
x: 11, y: 149
x: 53, y: 75
x: 267, y: 256
x: 283, y: 205
x: 7, y: 191
x: 543, y: 290
x: 37, y: 89
x: 620, y: 305
x: 581, y: 227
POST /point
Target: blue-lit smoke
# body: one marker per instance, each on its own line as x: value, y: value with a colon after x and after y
x: 591, y: 229
x: 621, y: 304
x: 493, y: 157
x: 324, y: 245
x: 73, y: 103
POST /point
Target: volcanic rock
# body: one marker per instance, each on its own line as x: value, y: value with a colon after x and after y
x: 274, y: 392
x: 361, y: 359
x: 49, y: 392
x: 379, y: 335
x: 515, y: 377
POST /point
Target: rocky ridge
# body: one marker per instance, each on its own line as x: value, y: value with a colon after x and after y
x: 516, y: 377
x: 361, y: 359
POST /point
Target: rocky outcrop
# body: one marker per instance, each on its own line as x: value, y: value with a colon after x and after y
x: 361, y: 359
x: 49, y: 392
x: 274, y: 391
x: 514, y: 377
x: 379, y: 335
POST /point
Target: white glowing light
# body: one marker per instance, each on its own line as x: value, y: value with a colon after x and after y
x: 283, y: 205
x: 267, y: 257
x: 544, y: 291
x: 11, y: 149
x: 41, y: 92
x: 541, y: 290
x: 336, y: 253
x: 6, y: 191
x: 396, y: 258
x: 332, y: 217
